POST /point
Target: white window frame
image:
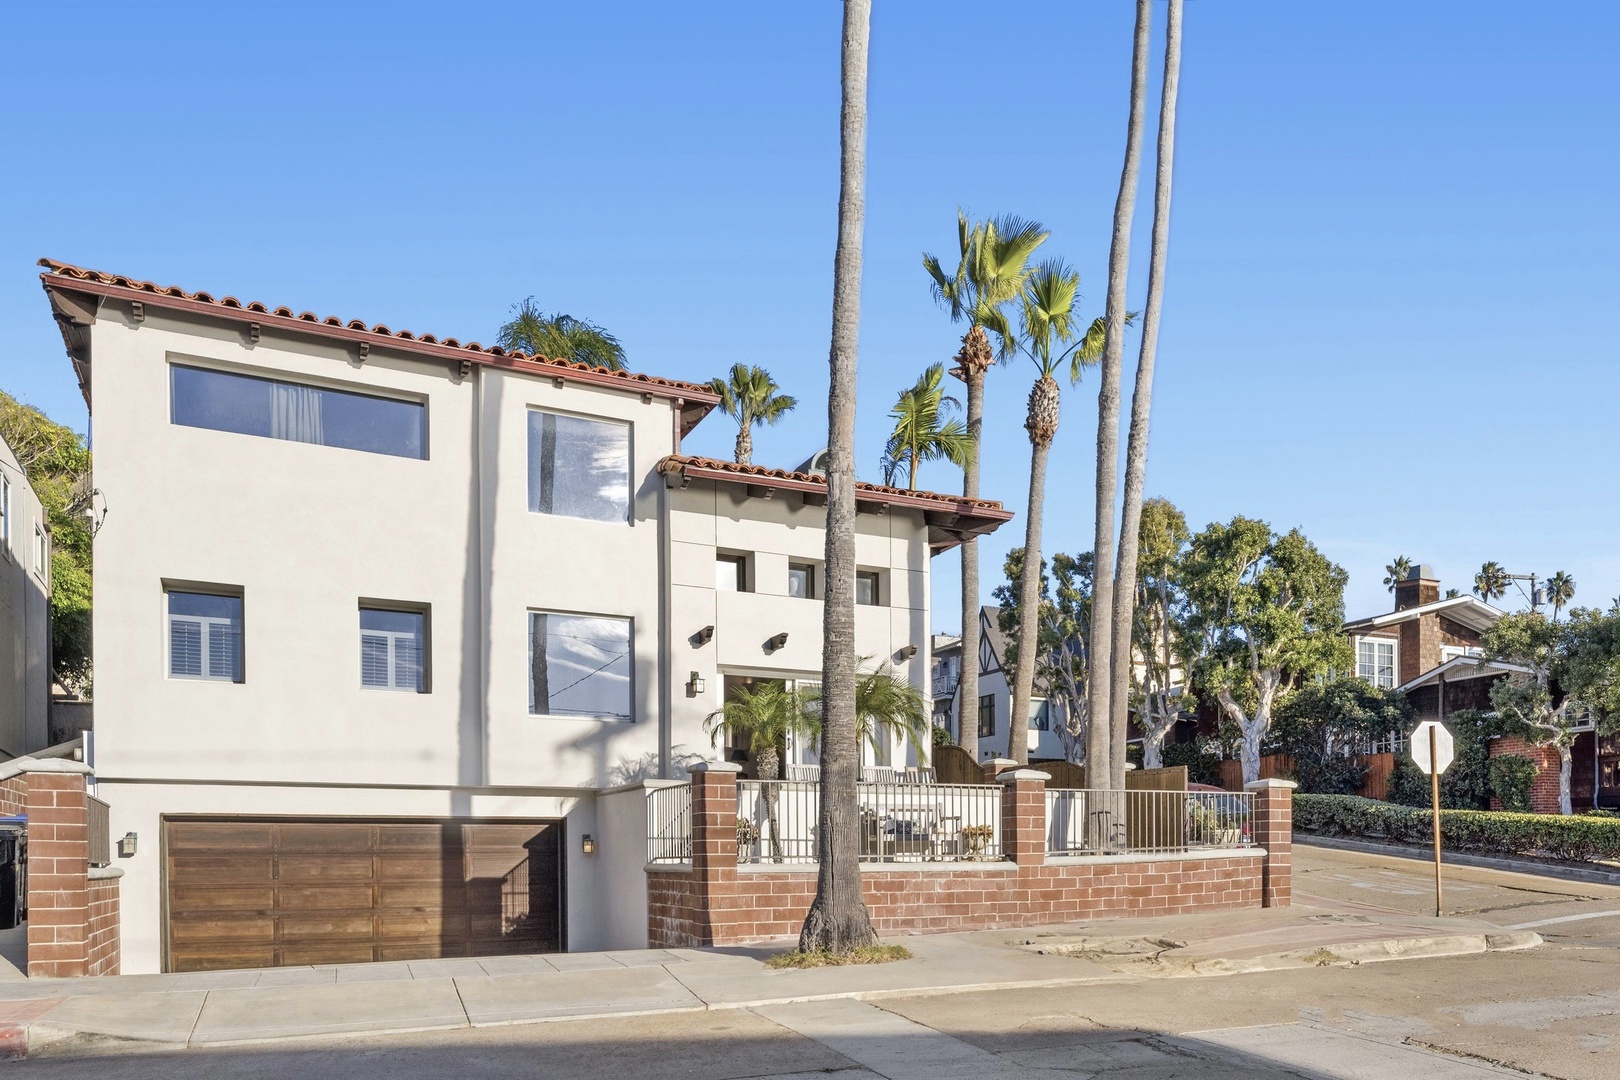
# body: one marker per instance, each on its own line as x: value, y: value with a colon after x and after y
x: 1453, y: 652
x: 42, y: 553
x: 394, y: 638
x: 1394, y: 661
x: 207, y: 627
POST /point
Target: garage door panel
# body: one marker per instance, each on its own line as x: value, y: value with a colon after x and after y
x: 311, y: 891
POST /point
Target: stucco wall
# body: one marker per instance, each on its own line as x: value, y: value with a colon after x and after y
x: 24, y: 621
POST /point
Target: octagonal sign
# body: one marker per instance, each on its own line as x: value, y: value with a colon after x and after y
x: 1444, y: 748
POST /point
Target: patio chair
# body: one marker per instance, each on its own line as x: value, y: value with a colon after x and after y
x: 804, y: 772
x: 918, y: 775
x: 878, y: 774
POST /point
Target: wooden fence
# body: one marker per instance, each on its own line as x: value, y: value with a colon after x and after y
x: 1374, y: 786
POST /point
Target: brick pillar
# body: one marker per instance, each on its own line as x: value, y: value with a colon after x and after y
x: 993, y: 767
x: 1274, y: 831
x: 1023, y: 816
x: 714, y: 847
x: 58, y: 869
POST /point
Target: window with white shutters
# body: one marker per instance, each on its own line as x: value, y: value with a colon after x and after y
x: 393, y: 650
x: 205, y: 636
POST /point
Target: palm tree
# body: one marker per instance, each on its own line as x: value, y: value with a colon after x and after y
x: 1560, y: 591
x: 1048, y: 323
x: 559, y: 337
x: 885, y: 703
x: 1396, y: 571
x: 838, y: 920
x: 764, y: 716
x: 1492, y: 582
x: 750, y: 397
x: 921, y: 430
x: 1119, y: 694
x: 1100, y: 767
x: 991, y: 270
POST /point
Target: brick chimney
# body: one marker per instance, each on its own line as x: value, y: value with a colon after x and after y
x: 1419, y: 587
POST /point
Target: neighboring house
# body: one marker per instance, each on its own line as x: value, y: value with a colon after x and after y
x: 995, y: 693
x: 385, y: 622
x: 25, y: 619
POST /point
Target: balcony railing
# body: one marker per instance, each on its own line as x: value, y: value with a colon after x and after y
x: 669, y: 824
x: 1130, y: 822
x: 777, y: 821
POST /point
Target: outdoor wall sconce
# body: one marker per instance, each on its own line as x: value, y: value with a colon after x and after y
x: 126, y: 845
x: 704, y: 636
x: 777, y: 642
x: 695, y: 684
x: 907, y: 652
x: 587, y: 844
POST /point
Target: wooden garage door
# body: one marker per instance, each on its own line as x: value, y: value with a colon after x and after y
x: 270, y: 893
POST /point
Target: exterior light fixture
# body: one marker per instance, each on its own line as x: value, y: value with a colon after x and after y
x: 695, y: 684
x: 587, y: 844
x: 126, y: 845
x: 777, y: 642
x: 704, y: 636
x: 907, y: 652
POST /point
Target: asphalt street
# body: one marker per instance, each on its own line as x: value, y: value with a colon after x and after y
x: 1550, y: 1011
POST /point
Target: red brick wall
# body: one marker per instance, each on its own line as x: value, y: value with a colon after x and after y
x: 58, y: 868
x: 14, y: 796
x: 773, y: 904
x: 1544, y: 789
x: 674, y: 915
x: 102, y: 940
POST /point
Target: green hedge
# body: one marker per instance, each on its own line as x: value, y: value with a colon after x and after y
x: 1577, y: 839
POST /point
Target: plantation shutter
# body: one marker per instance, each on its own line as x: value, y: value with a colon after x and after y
x: 407, y: 663
x: 222, y: 650
x: 374, y: 660
x: 185, y: 646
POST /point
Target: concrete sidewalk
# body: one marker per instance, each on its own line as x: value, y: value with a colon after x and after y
x: 231, y: 1007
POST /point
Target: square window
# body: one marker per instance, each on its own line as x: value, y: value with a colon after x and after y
x: 205, y: 636
x: 867, y: 588
x: 579, y: 468
x: 802, y: 580
x: 393, y: 649
x: 731, y: 573
x: 579, y: 666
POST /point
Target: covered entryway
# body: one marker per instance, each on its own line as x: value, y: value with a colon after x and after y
x: 259, y: 892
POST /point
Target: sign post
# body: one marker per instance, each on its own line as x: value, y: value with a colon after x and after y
x: 1432, y: 752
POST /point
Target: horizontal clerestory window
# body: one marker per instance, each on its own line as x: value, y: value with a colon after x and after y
x: 295, y: 412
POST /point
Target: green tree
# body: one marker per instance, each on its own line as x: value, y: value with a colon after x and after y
x: 993, y: 264
x: 1163, y: 538
x: 1560, y: 591
x: 1492, y: 581
x: 838, y: 920
x: 1466, y: 785
x: 1324, y: 725
x: 923, y: 431
x: 763, y: 717
x: 886, y: 704
x: 1062, y: 662
x: 1127, y: 582
x: 559, y: 337
x: 57, y: 463
x: 1265, y: 611
x: 750, y: 397
x: 1049, y: 325
x: 1101, y: 768
x: 1396, y: 571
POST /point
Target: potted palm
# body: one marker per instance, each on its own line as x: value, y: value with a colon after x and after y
x: 976, y: 838
x: 884, y: 703
x: 763, y: 716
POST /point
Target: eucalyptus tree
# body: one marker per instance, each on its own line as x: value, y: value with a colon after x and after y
x: 1142, y: 404
x: 559, y: 337
x: 993, y: 264
x: 1062, y: 660
x: 924, y: 430
x: 750, y: 397
x: 1492, y: 582
x: 1099, y: 740
x: 1264, y: 612
x: 838, y: 920
x: 1396, y: 571
x: 1163, y: 537
x: 1049, y: 323
x: 1560, y: 591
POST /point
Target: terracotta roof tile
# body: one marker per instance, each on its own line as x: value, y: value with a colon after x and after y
x: 59, y: 273
x: 675, y: 463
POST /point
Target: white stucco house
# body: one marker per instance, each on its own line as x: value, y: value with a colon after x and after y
x: 25, y: 620
x: 392, y: 629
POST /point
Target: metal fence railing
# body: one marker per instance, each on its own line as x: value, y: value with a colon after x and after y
x: 1128, y: 822
x: 898, y: 822
x: 669, y: 824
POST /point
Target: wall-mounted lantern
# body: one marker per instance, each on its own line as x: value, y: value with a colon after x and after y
x: 126, y: 845
x: 587, y: 844
x: 695, y: 684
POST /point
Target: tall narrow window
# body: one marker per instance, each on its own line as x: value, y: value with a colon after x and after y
x: 579, y: 666
x: 5, y: 514
x: 393, y: 650
x: 274, y: 409
x: 205, y: 636
x: 579, y: 468
x: 731, y: 573
x: 987, y: 715
x: 42, y: 553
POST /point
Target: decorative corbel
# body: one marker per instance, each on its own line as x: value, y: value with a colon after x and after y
x: 365, y: 350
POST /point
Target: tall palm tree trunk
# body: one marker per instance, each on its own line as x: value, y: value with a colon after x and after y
x: 1042, y: 427
x: 745, y: 445
x: 1099, y: 742
x: 973, y: 357
x: 1142, y: 398
x: 838, y: 919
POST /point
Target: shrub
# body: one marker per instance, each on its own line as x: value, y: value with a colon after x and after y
x: 1511, y: 777
x: 1493, y: 832
x: 1203, y: 761
x: 1466, y: 785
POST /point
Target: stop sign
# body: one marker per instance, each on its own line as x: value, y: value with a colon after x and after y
x: 1444, y: 749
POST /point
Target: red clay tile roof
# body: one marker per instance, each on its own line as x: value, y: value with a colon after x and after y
x: 953, y: 516
x: 75, y: 278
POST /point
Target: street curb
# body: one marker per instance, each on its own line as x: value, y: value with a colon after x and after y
x: 1454, y: 858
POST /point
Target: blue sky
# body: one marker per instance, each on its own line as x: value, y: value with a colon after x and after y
x: 1391, y: 311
